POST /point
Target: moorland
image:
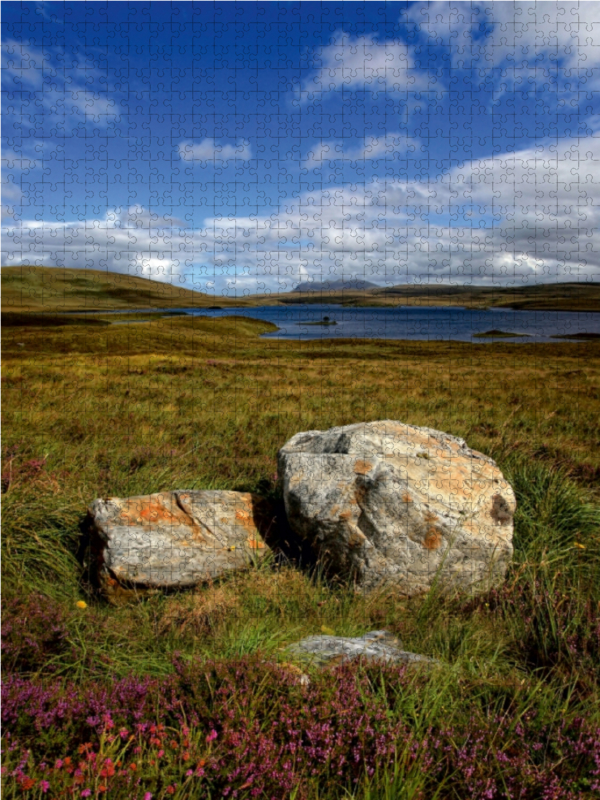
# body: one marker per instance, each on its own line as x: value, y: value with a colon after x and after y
x: 187, y: 695
x: 51, y: 289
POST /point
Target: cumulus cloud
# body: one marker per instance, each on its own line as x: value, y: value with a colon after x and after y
x: 522, y: 217
x: 363, y: 63
x: 209, y: 150
x: 515, y: 35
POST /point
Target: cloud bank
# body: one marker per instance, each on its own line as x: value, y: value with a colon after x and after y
x: 532, y: 219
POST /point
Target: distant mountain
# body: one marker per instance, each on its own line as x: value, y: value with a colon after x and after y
x: 327, y: 286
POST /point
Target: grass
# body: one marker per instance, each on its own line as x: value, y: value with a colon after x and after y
x: 205, y: 403
x: 541, y: 297
x: 52, y: 289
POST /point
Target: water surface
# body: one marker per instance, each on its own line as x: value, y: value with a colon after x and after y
x: 410, y: 322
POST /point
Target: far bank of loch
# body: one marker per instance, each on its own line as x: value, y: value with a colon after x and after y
x: 407, y: 322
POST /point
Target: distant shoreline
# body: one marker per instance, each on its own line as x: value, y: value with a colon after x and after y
x: 61, y: 290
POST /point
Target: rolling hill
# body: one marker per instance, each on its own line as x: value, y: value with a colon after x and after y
x: 542, y: 297
x: 56, y: 289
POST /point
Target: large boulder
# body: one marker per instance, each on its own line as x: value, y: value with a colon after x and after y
x: 175, y: 539
x: 384, y: 502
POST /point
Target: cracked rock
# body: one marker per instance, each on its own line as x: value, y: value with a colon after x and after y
x: 175, y: 539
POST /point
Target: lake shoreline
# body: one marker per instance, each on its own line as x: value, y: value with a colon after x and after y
x: 333, y: 322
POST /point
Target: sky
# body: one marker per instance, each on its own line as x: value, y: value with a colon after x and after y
x: 236, y: 148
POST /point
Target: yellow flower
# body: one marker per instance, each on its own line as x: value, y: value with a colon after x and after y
x: 328, y: 631
x: 81, y: 604
x: 580, y: 546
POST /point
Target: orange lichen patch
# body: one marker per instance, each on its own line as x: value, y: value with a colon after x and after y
x: 362, y: 467
x: 429, y: 516
x: 255, y: 544
x: 433, y: 539
x: 345, y: 515
x: 153, y: 511
x: 406, y: 498
x: 244, y: 518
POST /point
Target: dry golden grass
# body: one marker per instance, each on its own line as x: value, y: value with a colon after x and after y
x: 199, y: 613
x: 192, y: 402
x: 54, y: 289
x: 205, y: 403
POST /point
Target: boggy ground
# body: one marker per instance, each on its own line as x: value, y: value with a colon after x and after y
x: 187, y: 695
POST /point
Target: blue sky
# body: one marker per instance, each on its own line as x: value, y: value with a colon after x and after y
x: 243, y: 147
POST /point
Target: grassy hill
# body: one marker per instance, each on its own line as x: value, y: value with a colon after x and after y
x: 55, y: 289
x: 544, y: 297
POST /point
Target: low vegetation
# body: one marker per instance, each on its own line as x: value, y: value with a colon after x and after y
x: 27, y: 289
x: 542, y: 297
x: 189, y: 695
x: 50, y: 289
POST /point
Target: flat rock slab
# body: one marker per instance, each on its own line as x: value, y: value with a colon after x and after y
x: 325, y: 650
x: 176, y: 539
x: 384, y: 502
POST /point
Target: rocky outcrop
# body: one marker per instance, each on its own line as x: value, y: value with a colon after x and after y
x: 385, y: 502
x: 175, y: 539
x: 325, y: 650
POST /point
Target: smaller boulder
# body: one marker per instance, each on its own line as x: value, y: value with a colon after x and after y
x: 325, y: 650
x: 176, y: 539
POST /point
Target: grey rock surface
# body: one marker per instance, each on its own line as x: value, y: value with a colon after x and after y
x: 324, y: 650
x: 175, y: 539
x: 385, y: 502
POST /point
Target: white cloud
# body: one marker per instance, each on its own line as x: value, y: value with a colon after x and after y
x: 17, y: 161
x: 23, y: 66
x: 514, y: 34
x: 385, y: 147
x: 11, y: 196
x: 363, y: 63
x: 209, y: 150
x: 530, y: 216
x: 65, y: 99
x: 13, y: 164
